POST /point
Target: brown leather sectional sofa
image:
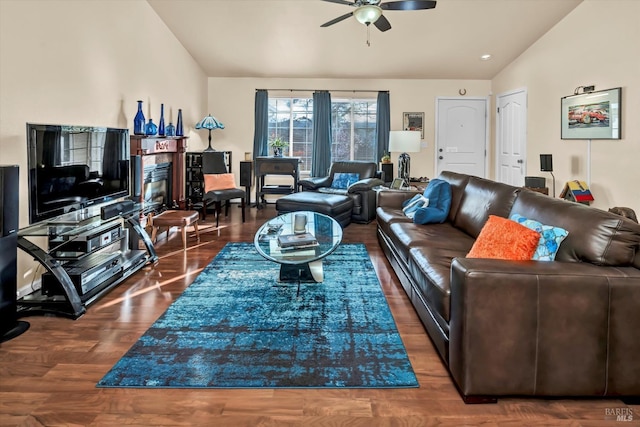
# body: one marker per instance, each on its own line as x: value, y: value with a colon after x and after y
x: 569, y: 327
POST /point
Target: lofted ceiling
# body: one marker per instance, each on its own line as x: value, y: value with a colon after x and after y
x: 283, y: 38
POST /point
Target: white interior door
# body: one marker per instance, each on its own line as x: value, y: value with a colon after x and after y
x: 461, y: 135
x: 511, y: 137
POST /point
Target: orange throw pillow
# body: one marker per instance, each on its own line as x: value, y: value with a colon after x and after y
x: 501, y: 238
x: 219, y: 181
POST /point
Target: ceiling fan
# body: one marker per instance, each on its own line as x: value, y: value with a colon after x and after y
x: 370, y: 11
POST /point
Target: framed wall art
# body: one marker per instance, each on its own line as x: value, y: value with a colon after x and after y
x: 414, y: 122
x: 592, y: 115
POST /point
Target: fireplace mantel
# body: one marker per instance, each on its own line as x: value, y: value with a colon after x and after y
x: 156, y: 150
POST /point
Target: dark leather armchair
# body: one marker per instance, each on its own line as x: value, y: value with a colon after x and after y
x: 361, y: 191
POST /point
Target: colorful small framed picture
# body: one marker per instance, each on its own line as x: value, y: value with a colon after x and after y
x: 414, y: 122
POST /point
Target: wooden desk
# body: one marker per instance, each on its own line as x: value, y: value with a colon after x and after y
x: 264, y: 166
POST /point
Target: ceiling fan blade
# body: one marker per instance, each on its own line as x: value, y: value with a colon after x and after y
x: 408, y: 5
x: 338, y: 19
x: 382, y: 24
x: 348, y: 3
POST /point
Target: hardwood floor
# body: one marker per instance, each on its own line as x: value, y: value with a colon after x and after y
x: 48, y: 375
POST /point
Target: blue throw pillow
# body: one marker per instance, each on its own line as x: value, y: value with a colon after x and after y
x: 550, y: 237
x: 344, y: 180
x: 411, y: 208
x: 411, y: 200
x: 439, y: 194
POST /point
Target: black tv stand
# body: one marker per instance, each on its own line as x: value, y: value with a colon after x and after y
x: 84, y: 259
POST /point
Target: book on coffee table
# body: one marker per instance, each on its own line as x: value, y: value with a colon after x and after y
x: 296, y: 240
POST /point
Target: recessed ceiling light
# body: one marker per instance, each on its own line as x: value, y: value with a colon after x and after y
x: 485, y: 57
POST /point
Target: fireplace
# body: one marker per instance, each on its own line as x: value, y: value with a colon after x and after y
x: 156, y: 188
x: 160, y: 172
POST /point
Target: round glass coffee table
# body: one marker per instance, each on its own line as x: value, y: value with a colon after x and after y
x: 298, y: 263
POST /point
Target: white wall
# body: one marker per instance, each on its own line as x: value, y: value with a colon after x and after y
x: 86, y: 63
x: 231, y: 100
x: 596, y: 44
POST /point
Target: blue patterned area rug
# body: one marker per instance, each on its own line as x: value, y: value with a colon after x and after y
x: 235, y: 326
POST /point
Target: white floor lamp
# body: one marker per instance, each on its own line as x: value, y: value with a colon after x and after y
x: 404, y: 141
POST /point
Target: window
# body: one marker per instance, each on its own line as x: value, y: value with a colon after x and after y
x: 291, y: 120
x: 83, y: 148
x: 353, y: 128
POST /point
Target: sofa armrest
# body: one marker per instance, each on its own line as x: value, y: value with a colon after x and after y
x: 366, y: 184
x: 543, y: 328
x: 392, y: 199
x: 313, y: 183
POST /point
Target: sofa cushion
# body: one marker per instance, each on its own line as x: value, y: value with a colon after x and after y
x: 482, y: 198
x: 407, y: 235
x: 502, y: 238
x: 387, y: 216
x: 363, y: 169
x: 410, y: 209
x: 550, y: 237
x: 431, y: 269
x: 458, y: 182
x: 219, y: 181
x: 411, y: 200
x: 595, y: 236
x: 344, y: 179
x: 438, y: 192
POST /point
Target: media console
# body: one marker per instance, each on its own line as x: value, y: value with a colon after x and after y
x: 86, y: 255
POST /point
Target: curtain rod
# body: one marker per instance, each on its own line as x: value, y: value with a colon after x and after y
x: 326, y: 90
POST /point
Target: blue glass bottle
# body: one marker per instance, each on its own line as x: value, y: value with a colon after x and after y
x: 170, y: 130
x: 179, y: 129
x: 161, y: 130
x: 151, y: 128
x: 138, y: 121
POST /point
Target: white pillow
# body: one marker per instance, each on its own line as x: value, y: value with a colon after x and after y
x: 411, y: 208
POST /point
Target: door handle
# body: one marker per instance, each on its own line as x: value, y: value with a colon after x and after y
x: 520, y: 161
x: 440, y: 157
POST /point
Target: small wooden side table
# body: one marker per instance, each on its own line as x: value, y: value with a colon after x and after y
x: 174, y: 218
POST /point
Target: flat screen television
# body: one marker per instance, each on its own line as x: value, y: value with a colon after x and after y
x: 74, y: 167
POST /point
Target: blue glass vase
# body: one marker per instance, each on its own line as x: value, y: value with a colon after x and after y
x: 170, y: 130
x: 161, y: 130
x: 179, y: 129
x: 151, y: 128
x: 138, y: 121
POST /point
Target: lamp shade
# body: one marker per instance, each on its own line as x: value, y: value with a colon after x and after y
x: 210, y: 123
x: 404, y: 141
x: 367, y: 14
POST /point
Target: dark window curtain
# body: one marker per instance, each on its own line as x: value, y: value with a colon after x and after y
x: 260, y: 134
x: 51, y: 153
x: 321, y: 157
x: 113, y: 149
x: 383, y: 124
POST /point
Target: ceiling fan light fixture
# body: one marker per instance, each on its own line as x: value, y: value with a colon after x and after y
x: 367, y: 14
